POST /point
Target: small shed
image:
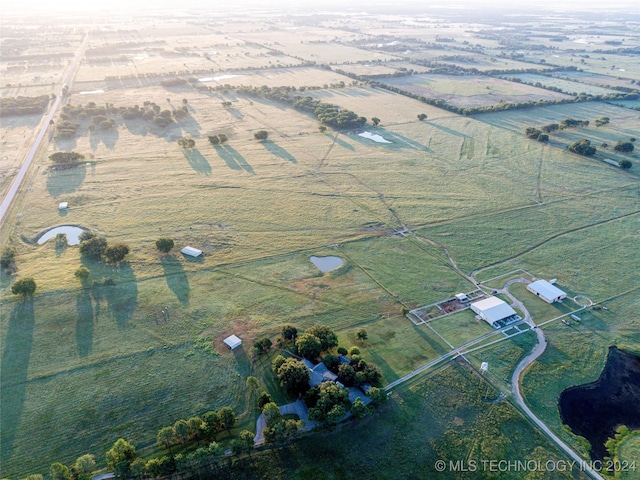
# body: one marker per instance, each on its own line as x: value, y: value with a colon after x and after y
x: 546, y: 291
x: 232, y: 342
x: 192, y: 252
x: 461, y: 297
x: 63, y: 205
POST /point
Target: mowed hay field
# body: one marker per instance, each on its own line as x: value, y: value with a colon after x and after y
x: 95, y: 364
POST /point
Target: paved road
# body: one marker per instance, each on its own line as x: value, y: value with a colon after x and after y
x: 515, y: 384
x: 44, y: 126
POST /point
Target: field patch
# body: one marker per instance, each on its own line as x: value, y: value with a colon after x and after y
x: 470, y: 91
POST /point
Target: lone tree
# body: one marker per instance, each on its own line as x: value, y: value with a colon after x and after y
x: 375, y: 121
x: 293, y: 376
x: 362, y: 334
x: 327, y: 337
x: 164, y: 244
x: 213, y: 139
x: 422, y: 116
x: 222, y: 137
x: 309, y: 346
x: 120, y: 457
x: 227, y: 418
x: 261, y: 135
x: 7, y: 258
x: 289, y: 332
x: 25, y: 287
x: 626, y: 164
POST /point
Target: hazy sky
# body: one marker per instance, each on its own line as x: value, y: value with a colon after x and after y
x: 93, y: 5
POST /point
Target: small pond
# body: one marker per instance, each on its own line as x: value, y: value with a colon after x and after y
x: 374, y: 136
x: 72, y: 233
x: 595, y: 410
x: 91, y: 92
x: 326, y: 264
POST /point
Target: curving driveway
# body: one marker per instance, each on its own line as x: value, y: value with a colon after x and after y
x: 522, y: 366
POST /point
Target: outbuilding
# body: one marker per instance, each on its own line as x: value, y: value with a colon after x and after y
x: 233, y: 342
x: 192, y: 252
x: 494, y: 311
x: 63, y: 205
x: 546, y: 291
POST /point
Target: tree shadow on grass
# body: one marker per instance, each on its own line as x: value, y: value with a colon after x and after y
x: 233, y: 159
x: 84, y: 324
x: 388, y: 372
x: 122, y: 297
x: 433, y: 343
x: 242, y: 359
x: 278, y: 151
x: 177, y: 280
x: 60, y: 182
x: 13, y: 374
x: 341, y: 142
x: 108, y: 137
x: 197, y: 161
x: 448, y: 130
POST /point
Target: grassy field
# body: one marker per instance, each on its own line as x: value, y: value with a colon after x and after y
x: 471, y: 91
x: 572, y: 88
x: 84, y: 366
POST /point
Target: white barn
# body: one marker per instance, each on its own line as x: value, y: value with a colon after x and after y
x: 546, y: 291
x: 232, y: 342
x: 192, y: 252
x: 494, y: 311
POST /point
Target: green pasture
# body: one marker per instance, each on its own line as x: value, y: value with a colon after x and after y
x: 629, y: 451
x: 460, y: 328
x: 395, y: 345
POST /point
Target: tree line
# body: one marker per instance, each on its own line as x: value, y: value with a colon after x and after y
x: 24, y: 105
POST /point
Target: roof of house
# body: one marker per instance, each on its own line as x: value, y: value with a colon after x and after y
x: 194, y: 252
x: 546, y: 289
x: 232, y: 341
x: 493, y: 309
x: 320, y: 373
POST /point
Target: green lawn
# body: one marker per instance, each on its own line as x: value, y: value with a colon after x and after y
x: 460, y: 328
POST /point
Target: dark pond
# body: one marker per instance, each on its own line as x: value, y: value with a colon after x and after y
x: 595, y: 410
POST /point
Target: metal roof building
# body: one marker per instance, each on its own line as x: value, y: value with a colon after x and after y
x: 192, y: 252
x: 493, y: 310
x: 233, y: 342
x: 546, y: 291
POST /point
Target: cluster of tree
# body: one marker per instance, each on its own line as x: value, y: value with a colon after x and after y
x: 328, y: 114
x: 217, y: 139
x: 572, y: 123
x: 583, y: 147
x: 278, y: 430
x: 535, y: 134
x: 327, y: 402
x: 262, y: 346
x: 102, y: 122
x: 624, y: 147
x: 355, y: 373
x: 197, y: 429
x: 66, y: 157
x: 23, y: 105
x: 186, y: 143
x: 96, y: 248
x: 80, y: 470
x: 7, y: 260
x: 65, y: 128
x: 316, y: 340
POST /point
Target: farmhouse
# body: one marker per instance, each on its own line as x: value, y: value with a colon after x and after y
x: 546, y: 291
x: 495, y: 312
x: 232, y: 342
x: 192, y: 252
